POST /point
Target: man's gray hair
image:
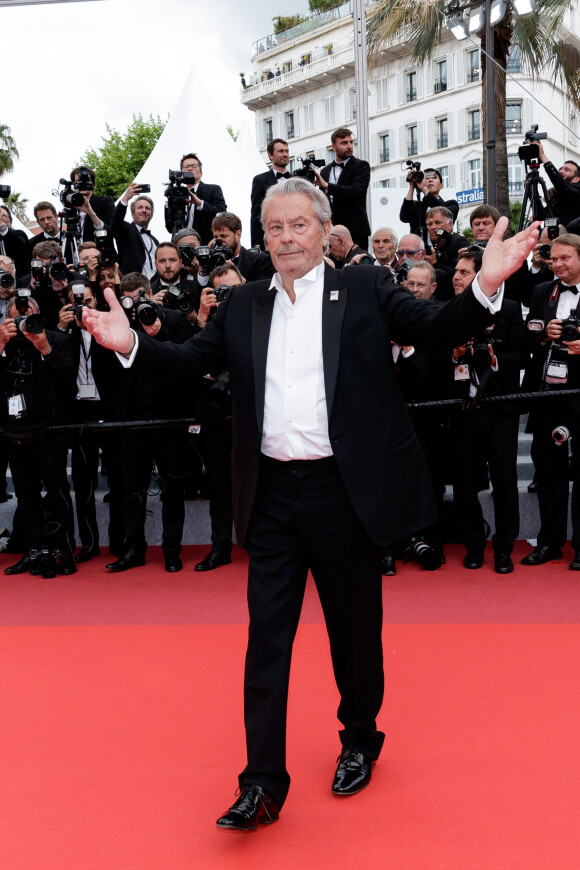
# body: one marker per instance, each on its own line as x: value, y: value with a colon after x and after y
x: 427, y: 267
x: 444, y: 212
x: 183, y: 234
x: 138, y: 199
x: 319, y: 201
x: 12, y: 304
x: 387, y: 230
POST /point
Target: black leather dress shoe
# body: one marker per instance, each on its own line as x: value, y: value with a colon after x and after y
x: 130, y: 559
x: 389, y: 568
x: 46, y: 564
x: 502, y: 563
x: 253, y: 807
x: 473, y: 559
x: 213, y: 560
x: 173, y: 563
x: 542, y: 554
x: 85, y: 554
x: 19, y: 567
x: 575, y: 563
x: 67, y: 565
x: 353, y: 773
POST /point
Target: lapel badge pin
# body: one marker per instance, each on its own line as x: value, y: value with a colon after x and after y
x: 334, y: 295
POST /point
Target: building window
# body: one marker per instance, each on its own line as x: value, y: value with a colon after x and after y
x: 268, y: 131
x: 309, y: 118
x: 513, y: 118
x: 306, y: 58
x: 444, y: 172
x: 385, y: 182
x: 382, y: 93
x: 514, y: 61
x: 350, y: 97
x: 473, y: 71
x: 291, y: 166
x: 329, y: 112
x: 412, y: 141
x: 411, y: 87
x: 474, y: 178
x: 473, y: 125
x: 515, y: 176
x: 287, y: 66
x: 327, y: 49
x: 440, y: 76
x: 384, y: 148
x: 290, y: 133
x: 442, y: 133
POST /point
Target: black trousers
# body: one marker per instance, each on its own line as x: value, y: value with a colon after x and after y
x: 39, y: 462
x: 492, y: 436
x: 302, y: 519
x: 216, y: 437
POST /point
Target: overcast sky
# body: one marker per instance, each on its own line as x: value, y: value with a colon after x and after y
x: 71, y: 68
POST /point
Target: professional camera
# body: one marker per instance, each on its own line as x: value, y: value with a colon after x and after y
x: 6, y: 279
x: 187, y: 254
x: 31, y: 323
x: 108, y: 255
x: 553, y: 228
x: 219, y: 392
x: 21, y: 299
x: 177, y: 193
x: 419, y: 550
x: 142, y: 309
x: 365, y: 260
x: 570, y: 327
x: 561, y: 434
x: 222, y: 292
x: 58, y: 271
x: 306, y: 170
x: 179, y: 300
x: 477, y: 246
x: 211, y: 257
x: 528, y: 152
x: 402, y: 270
x: 70, y: 196
x: 78, y: 291
x: 480, y: 353
x: 417, y: 176
x: 537, y: 327
x: 442, y: 242
x: 5, y: 190
x: 84, y: 183
x: 38, y: 272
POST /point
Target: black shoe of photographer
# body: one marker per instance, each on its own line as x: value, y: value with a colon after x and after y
x: 20, y: 567
x: 214, y: 559
x: 502, y: 563
x: 389, y: 569
x: 67, y: 565
x: 46, y: 564
x: 420, y: 551
x: 473, y: 559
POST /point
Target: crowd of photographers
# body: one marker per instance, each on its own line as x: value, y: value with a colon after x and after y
x: 53, y: 373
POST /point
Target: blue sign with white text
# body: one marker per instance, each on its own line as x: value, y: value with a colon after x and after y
x: 468, y: 197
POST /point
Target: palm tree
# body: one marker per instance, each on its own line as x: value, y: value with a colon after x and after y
x: 8, y: 150
x: 418, y: 25
x: 17, y: 204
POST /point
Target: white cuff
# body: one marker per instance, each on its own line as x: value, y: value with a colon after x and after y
x: 127, y: 361
x: 492, y: 303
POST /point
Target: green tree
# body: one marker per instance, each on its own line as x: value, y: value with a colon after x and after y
x: 284, y: 22
x: 17, y: 204
x: 323, y: 5
x: 418, y: 24
x: 8, y: 149
x: 121, y: 156
x: 230, y: 130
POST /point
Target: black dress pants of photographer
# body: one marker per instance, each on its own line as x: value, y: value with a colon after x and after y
x: 217, y: 447
x: 168, y: 449
x: 38, y: 462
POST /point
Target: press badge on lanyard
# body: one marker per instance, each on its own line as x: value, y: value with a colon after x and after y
x: 557, y: 373
x: 16, y: 405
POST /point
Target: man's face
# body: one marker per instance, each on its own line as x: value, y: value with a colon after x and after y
x: 419, y: 283
x: 295, y: 238
x: 168, y: 264
x: 383, y: 246
x: 88, y: 254
x: 566, y: 263
x: 5, y: 218
x: 142, y: 213
x: 463, y: 276
x: 280, y: 156
x: 483, y: 228
x: 134, y: 294
x: 336, y: 247
x: 88, y: 299
x: 227, y: 237
x: 569, y: 172
x: 192, y: 165
x: 409, y: 249
x: 230, y: 278
x: 437, y: 222
x: 433, y: 183
x: 343, y: 148
x: 47, y: 221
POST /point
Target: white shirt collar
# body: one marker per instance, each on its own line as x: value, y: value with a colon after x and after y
x: 300, y: 284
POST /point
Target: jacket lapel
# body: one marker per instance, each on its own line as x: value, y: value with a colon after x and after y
x: 261, y: 319
x: 333, y: 309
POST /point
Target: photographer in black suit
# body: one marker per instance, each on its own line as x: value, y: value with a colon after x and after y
x: 566, y: 181
x: 345, y: 182
x: 205, y: 200
x: 47, y: 219
x: 97, y: 211
x: 253, y: 265
x: 13, y: 243
x: 280, y: 158
x: 413, y: 211
x: 135, y: 243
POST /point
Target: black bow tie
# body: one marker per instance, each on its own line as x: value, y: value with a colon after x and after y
x: 145, y: 232
x: 282, y: 175
x: 572, y: 288
x: 340, y: 165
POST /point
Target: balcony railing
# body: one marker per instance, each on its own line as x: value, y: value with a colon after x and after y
x: 290, y: 134
x: 442, y: 140
x: 384, y: 155
x: 411, y: 95
x: 473, y: 133
x: 516, y: 188
x: 440, y: 85
x: 412, y: 149
x: 311, y: 23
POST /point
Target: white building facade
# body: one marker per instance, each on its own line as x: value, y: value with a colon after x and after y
x: 302, y: 87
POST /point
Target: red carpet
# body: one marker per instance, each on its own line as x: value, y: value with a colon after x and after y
x: 121, y: 738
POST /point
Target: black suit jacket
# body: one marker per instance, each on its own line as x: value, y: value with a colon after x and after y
x: 349, y: 196
x: 372, y: 437
x: 213, y: 203
x: 15, y: 247
x: 260, y: 185
x: 254, y: 265
x: 129, y: 241
x: 413, y: 212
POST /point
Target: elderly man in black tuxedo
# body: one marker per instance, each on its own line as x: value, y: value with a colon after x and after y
x: 345, y: 181
x: 319, y: 447
x: 205, y: 201
x: 135, y: 243
x: 279, y: 154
